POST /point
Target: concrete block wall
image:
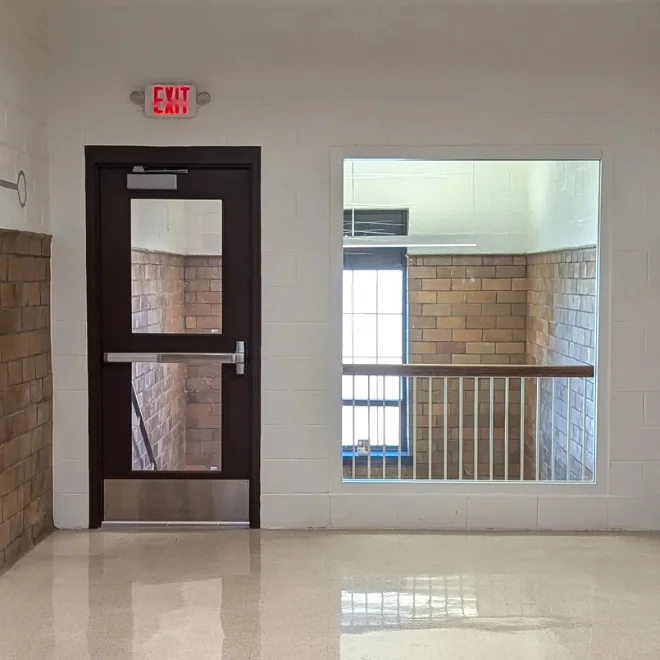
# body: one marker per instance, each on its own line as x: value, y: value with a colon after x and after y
x: 23, y: 115
x: 563, y: 199
x: 482, y: 203
x: 310, y: 89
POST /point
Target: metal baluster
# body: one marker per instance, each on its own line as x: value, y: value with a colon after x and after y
x: 460, y: 427
x: 537, y: 430
x: 552, y: 432
x: 414, y: 425
x: 584, y: 431
x: 369, y: 427
x: 401, y: 388
x: 506, y: 429
x: 446, y: 428
x: 430, y: 427
x: 353, y: 469
x: 475, y: 443
x: 568, y: 433
x: 351, y: 274
x: 522, y: 429
x: 491, y: 452
x: 384, y: 449
x: 376, y: 356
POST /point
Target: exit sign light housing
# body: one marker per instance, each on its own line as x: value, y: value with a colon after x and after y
x: 166, y: 100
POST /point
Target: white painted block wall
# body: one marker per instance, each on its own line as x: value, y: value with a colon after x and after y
x: 477, y: 203
x: 564, y: 200
x: 177, y: 226
x: 23, y: 109
x: 307, y: 84
x: 493, y: 207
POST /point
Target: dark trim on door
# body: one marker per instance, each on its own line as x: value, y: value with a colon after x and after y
x: 92, y: 201
x: 98, y: 157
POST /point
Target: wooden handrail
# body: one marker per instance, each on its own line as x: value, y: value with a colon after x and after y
x: 471, y: 370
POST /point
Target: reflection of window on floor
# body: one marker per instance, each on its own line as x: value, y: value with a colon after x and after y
x: 409, y: 603
x: 374, y: 302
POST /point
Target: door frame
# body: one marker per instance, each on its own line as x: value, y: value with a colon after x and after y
x: 96, y: 158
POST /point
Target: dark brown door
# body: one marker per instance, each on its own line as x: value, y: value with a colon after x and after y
x: 173, y: 239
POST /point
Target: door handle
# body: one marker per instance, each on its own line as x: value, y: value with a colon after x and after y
x: 237, y: 358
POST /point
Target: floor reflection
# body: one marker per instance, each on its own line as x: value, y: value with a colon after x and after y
x: 457, y: 616
x: 412, y: 602
x: 308, y: 596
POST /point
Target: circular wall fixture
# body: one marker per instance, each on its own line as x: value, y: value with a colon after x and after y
x: 21, y: 188
x: 137, y: 98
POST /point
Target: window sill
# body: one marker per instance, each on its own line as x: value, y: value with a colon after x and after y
x: 391, y: 458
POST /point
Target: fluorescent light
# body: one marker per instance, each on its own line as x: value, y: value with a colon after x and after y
x: 397, y: 175
x: 401, y: 242
x: 370, y: 244
x: 357, y: 206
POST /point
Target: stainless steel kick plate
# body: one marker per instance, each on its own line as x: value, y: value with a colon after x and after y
x: 182, y: 500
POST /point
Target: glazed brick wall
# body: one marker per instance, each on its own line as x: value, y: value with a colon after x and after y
x: 203, y: 311
x: 561, y: 329
x: 158, y: 306
x: 26, y: 431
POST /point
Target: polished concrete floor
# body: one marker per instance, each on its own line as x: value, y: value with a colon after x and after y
x: 285, y: 596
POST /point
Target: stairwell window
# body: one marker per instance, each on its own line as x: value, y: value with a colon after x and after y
x: 374, y: 332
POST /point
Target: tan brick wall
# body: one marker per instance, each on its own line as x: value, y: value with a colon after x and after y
x: 562, y: 330
x: 158, y: 291
x: 467, y: 310
x: 203, y: 294
x: 158, y: 306
x: 203, y: 310
x: 26, y: 430
x: 464, y: 310
x: 536, y: 309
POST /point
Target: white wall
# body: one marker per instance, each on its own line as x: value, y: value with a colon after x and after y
x: 177, y: 226
x: 23, y: 107
x: 563, y: 204
x: 158, y: 225
x: 203, y: 220
x: 468, y: 202
x: 302, y: 83
x: 492, y: 206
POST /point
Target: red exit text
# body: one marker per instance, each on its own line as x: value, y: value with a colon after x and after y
x: 171, y: 101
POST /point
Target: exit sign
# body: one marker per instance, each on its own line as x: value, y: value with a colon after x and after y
x: 173, y: 101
